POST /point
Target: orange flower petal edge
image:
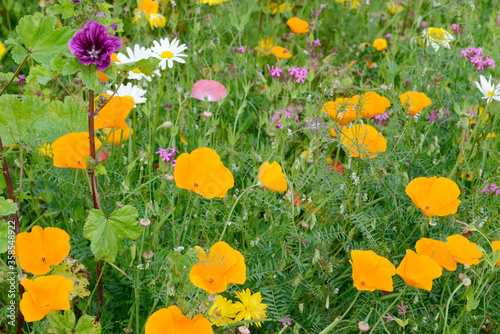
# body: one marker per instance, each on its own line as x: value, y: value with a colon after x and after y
x: 272, y: 177
x: 172, y: 321
x: 419, y: 270
x: 71, y: 150
x: 371, y: 272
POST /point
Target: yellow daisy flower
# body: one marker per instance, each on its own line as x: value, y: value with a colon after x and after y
x: 250, y: 307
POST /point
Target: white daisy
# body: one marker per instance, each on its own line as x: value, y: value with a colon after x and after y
x: 168, y: 51
x: 488, y: 89
x: 134, y: 93
x: 437, y: 37
x: 139, y: 53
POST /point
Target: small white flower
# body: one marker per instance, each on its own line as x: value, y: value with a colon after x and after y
x: 168, y: 52
x: 133, y: 92
x: 490, y: 92
x: 178, y: 249
x: 138, y: 53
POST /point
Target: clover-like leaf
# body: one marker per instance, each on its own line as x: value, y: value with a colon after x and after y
x: 106, y: 232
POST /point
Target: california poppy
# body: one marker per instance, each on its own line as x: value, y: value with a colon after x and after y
x: 203, y: 172
x: 373, y: 104
x: 117, y: 136
x: 434, y: 196
x: 281, y: 53
x: 342, y: 110
x: 114, y: 113
x: 363, y: 141
x: 380, y: 44
x: 414, y: 102
x: 224, y: 265
x: 419, y: 270
x: 463, y: 250
x: 70, y: 151
x: 438, y: 251
x: 41, y: 248
x: 297, y: 25
x: 43, y: 295
x: 102, y: 76
x: 271, y: 177
x: 496, y: 248
x: 172, y: 321
x: 371, y: 272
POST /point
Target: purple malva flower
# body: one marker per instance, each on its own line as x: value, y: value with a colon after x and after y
x: 167, y: 155
x: 93, y: 45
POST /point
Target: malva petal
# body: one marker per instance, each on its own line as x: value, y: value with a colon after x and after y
x: 438, y: 251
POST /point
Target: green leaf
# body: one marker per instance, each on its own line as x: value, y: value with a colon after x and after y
x: 106, y: 232
x: 40, y: 39
x: 39, y: 74
x: 86, y: 325
x: 66, y: 8
x: 73, y: 270
x: 148, y: 66
x: 7, y: 207
x: 60, y: 323
x: 91, y: 79
x: 17, y: 118
x: 7, y: 77
x: 4, y: 236
x: 66, y: 66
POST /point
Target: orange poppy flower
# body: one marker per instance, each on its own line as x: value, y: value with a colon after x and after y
x: 41, y: 248
x: 172, y: 321
x: 371, y: 272
x: 271, y: 177
x: 463, y: 250
x: 414, y: 102
x: 70, y: 151
x: 43, y: 295
x: 438, y: 251
x: 281, y: 52
x: 118, y: 136
x: 148, y: 7
x: 363, y: 141
x: 102, y: 76
x: 496, y: 247
x: 224, y: 265
x: 114, y: 113
x: 419, y: 270
x: 342, y: 110
x: 434, y: 196
x: 297, y: 25
x: 202, y: 171
x: 373, y: 104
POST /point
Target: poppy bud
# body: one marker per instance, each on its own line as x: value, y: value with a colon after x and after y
x: 133, y: 251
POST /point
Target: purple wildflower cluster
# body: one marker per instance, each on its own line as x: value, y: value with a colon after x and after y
x: 242, y: 49
x: 314, y: 125
x: 380, y: 119
x: 285, y: 322
x: 435, y: 117
x: 168, y: 155
x: 457, y: 30
x: 491, y: 189
x: 299, y: 74
x: 311, y: 47
x: 476, y: 56
x: 277, y: 117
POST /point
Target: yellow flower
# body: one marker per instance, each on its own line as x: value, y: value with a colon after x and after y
x: 437, y: 37
x: 2, y: 50
x: 393, y: 8
x: 45, y: 150
x: 354, y: 3
x: 221, y: 312
x: 281, y: 8
x: 469, y: 176
x: 249, y: 307
x: 271, y: 177
x: 380, y: 44
x: 150, y: 9
x: 212, y: 2
x: 265, y: 46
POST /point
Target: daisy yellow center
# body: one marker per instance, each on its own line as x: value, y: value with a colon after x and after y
x: 437, y: 34
x: 129, y: 97
x: 137, y: 70
x: 490, y: 94
x: 167, y: 54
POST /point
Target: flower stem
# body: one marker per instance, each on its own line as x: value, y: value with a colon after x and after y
x: 231, y: 212
x: 338, y: 319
